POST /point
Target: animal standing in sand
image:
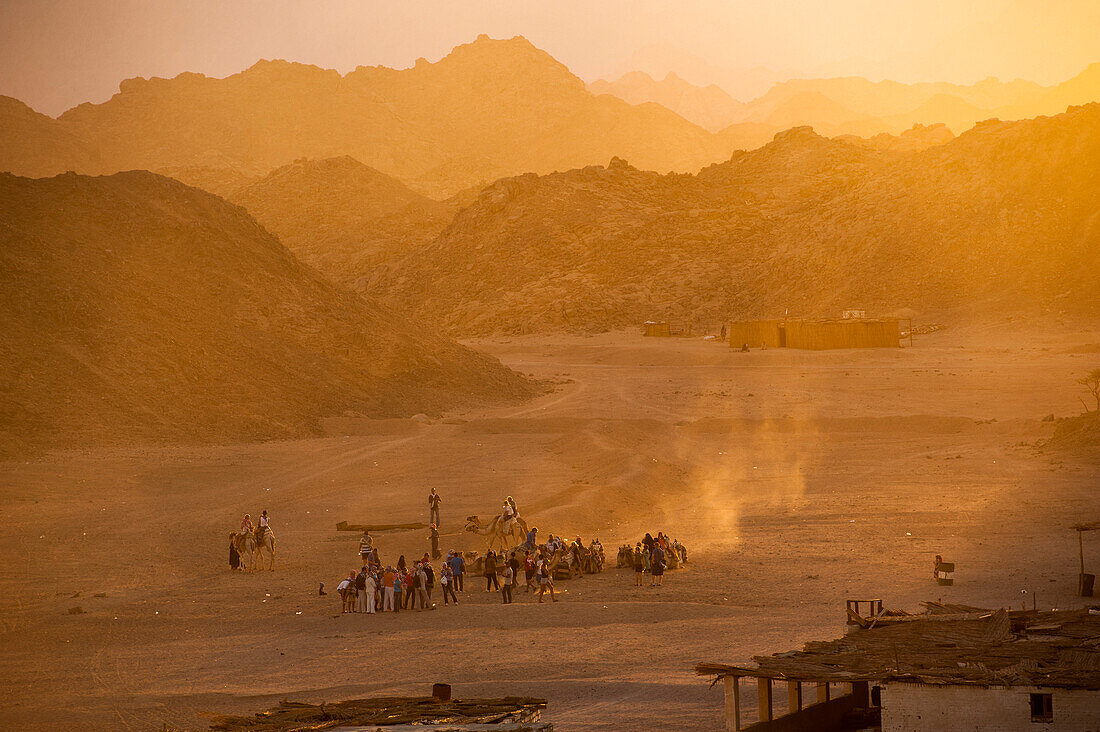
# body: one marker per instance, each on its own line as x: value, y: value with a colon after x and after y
x: 265, y: 545
x: 245, y: 541
x: 496, y: 533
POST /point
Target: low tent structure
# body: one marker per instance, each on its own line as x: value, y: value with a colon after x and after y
x: 942, y: 671
x: 816, y: 335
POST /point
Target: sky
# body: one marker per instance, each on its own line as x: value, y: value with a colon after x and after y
x: 55, y: 54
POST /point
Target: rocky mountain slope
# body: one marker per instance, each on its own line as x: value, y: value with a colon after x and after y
x: 135, y: 307
x: 489, y: 108
x: 341, y: 216
x: 1003, y: 217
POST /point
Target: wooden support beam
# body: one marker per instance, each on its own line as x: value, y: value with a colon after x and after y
x: 823, y: 692
x: 794, y: 696
x: 764, y: 699
x: 733, y: 703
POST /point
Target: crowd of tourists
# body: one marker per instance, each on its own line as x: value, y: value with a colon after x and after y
x: 653, y: 555
x: 379, y: 587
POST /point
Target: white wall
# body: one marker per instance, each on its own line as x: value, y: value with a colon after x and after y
x: 927, y: 708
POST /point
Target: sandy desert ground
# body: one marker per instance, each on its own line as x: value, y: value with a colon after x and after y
x: 797, y: 479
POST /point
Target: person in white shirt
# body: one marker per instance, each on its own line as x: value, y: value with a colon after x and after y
x: 372, y: 588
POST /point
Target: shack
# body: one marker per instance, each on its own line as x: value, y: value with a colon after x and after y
x: 816, y: 334
x: 933, y: 672
x: 665, y: 329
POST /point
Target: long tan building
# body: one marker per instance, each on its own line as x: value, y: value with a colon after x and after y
x: 816, y: 335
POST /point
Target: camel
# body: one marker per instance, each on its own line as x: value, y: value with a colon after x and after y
x: 265, y: 545
x: 246, y: 548
x: 495, y: 531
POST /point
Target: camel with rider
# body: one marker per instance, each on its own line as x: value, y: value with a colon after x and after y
x: 497, y: 531
x: 252, y: 546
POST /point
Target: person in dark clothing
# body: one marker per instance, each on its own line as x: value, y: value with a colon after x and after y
x: 234, y: 557
x: 401, y: 566
x: 433, y: 534
x: 361, y: 591
x: 430, y: 583
x: 491, y: 582
x: 513, y: 563
x: 658, y: 562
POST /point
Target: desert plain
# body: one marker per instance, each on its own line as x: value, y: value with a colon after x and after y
x: 796, y: 479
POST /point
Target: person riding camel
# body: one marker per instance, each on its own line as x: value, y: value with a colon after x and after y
x: 246, y: 524
x: 265, y: 525
x: 508, y: 514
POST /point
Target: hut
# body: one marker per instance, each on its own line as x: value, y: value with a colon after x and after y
x: 949, y: 669
x: 817, y: 335
x: 654, y: 329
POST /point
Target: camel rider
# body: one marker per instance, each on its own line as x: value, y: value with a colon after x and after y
x: 508, y: 515
x: 265, y: 525
x: 246, y: 524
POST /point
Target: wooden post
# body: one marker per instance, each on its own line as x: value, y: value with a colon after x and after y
x: 794, y: 697
x: 764, y: 699
x: 823, y: 692
x: 733, y: 703
x: 1081, y: 549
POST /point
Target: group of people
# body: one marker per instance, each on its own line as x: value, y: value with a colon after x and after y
x: 401, y: 587
x: 652, y: 555
x: 258, y: 530
x: 393, y: 588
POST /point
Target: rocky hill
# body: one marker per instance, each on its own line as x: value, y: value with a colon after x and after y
x: 488, y: 109
x: 1004, y: 217
x: 341, y: 216
x: 35, y: 145
x: 135, y: 307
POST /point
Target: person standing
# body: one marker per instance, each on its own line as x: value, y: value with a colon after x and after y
x: 458, y: 569
x: 658, y: 562
x: 529, y: 572
x: 638, y: 558
x: 361, y: 591
x: 546, y: 582
x: 429, y: 572
x: 366, y: 543
x: 433, y: 534
x: 371, y: 589
x: 509, y: 579
x: 514, y: 564
x: 447, y: 582
x: 421, y: 584
x: 491, y: 582
x: 398, y: 581
x: 433, y: 507
x: 410, y: 588
x: 387, y: 589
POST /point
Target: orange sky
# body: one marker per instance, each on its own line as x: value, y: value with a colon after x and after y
x: 57, y: 53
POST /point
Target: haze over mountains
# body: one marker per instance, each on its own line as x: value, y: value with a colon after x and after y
x: 853, y: 105
x: 376, y: 178
x: 135, y: 307
x: 1004, y: 218
x: 490, y: 108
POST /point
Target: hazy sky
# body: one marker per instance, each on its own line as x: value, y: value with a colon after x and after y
x: 57, y: 53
